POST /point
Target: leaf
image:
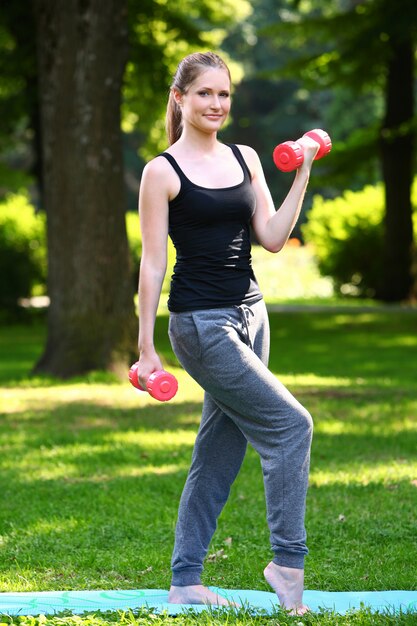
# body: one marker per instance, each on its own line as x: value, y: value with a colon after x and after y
x: 216, y: 556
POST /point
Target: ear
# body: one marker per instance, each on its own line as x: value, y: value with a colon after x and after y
x: 177, y: 96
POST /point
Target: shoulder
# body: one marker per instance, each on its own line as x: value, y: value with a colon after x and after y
x: 251, y: 158
x: 160, y: 174
x: 157, y: 167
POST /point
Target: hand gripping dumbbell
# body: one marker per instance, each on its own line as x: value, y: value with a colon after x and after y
x: 288, y: 156
x: 161, y: 385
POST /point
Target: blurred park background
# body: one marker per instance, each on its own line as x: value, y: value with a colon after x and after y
x: 91, y: 472
x: 83, y: 94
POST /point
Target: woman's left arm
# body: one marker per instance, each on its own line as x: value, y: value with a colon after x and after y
x: 273, y: 227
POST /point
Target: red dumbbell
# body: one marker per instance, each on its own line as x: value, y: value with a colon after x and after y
x: 288, y: 156
x: 161, y: 385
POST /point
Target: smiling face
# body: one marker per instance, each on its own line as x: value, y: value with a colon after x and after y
x: 206, y: 103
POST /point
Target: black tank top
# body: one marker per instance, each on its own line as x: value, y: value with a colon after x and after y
x: 210, y: 229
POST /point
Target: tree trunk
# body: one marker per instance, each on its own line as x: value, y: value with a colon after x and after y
x: 397, y: 158
x: 82, y: 51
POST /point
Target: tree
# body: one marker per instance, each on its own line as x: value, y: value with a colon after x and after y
x: 397, y: 142
x: 82, y: 52
x: 369, y: 45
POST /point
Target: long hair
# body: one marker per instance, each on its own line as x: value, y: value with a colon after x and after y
x: 187, y: 71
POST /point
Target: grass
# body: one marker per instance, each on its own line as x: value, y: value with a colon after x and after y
x: 91, y: 472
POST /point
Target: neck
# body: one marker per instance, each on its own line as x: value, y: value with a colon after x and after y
x: 197, y: 143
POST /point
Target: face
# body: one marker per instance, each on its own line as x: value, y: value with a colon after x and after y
x: 206, y: 104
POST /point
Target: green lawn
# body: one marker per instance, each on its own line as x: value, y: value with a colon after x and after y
x: 91, y: 471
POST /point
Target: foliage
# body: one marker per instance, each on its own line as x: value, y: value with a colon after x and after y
x: 92, y: 472
x: 342, y: 49
x: 347, y: 236
x: 22, y: 249
x: 17, y: 67
x: 271, y: 104
x: 160, y: 34
x: 344, y: 43
x: 18, y: 95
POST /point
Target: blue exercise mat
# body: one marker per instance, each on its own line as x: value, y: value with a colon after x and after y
x: 51, y: 602
x: 78, y: 602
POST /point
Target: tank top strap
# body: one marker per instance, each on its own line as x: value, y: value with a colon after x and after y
x: 239, y: 157
x: 170, y: 159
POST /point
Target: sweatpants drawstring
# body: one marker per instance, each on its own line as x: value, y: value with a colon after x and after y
x: 245, y: 314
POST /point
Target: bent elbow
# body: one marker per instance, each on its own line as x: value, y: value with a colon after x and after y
x: 273, y: 247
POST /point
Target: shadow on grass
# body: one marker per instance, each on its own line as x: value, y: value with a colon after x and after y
x: 368, y: 347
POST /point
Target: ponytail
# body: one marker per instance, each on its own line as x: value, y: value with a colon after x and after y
x: 173, y: 120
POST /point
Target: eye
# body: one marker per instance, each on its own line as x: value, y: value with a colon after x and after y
x: 203, y: 92
x: 224, y: 94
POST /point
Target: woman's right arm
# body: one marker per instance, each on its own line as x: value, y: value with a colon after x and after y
x: 153, y: 214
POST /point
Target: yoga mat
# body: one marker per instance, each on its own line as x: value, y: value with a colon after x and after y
x: 78, y: 602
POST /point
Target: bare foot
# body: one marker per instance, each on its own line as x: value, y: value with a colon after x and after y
x: 196, y: 594
x: 288, y: 584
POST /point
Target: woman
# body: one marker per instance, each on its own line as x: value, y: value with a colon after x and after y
x: 205, y: 195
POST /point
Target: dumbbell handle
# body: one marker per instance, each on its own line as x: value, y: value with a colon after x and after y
x: 161, y: 385
x: 288, y: 156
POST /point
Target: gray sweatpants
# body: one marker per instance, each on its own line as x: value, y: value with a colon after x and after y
x: 226, y: 351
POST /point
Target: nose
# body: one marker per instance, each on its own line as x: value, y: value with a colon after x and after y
x: 215, y: 102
